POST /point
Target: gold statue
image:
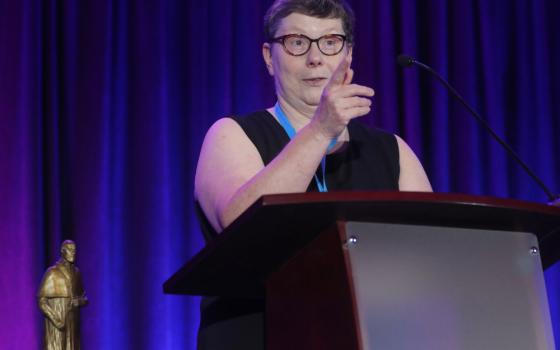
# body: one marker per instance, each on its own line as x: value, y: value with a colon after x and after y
x: 60, y: 295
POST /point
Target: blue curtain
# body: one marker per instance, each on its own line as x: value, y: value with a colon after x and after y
x: 104, y: 105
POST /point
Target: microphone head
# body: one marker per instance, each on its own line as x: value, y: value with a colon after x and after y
x: 405, y: 61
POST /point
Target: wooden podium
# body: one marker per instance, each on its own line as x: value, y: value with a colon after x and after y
x: 387, y: 270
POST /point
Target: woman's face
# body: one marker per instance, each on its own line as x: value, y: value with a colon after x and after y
x: 300, y: 80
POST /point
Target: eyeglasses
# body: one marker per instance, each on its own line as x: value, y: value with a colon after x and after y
x: 299, y: 44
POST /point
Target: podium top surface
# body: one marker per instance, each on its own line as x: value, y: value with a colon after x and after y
x: 237, y: 262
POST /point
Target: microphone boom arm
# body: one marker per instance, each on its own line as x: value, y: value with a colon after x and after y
x: 407, y: 61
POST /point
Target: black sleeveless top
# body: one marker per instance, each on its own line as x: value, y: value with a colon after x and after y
x: 369, y: 161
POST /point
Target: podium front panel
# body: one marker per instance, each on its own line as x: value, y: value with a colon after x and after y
x: 423, y: 287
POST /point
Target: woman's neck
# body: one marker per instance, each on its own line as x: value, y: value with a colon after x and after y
x: 296, y: 116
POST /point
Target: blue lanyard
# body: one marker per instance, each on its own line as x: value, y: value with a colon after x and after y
x: 321, y: 185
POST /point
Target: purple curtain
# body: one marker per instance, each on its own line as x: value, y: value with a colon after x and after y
x: 104, y: 105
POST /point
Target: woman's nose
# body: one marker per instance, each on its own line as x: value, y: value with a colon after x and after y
x: 314, y: 56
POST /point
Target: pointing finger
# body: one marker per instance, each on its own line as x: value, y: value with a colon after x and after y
x: 339, y: 73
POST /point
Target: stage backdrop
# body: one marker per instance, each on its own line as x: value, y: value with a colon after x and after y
x: 104, y: 105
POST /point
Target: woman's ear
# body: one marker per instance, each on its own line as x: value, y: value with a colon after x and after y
x: 350, y: 50
x: 267, y: 56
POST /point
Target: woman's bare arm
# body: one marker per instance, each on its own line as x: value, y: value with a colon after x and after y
x: 230, y: 175
x: 412, y: 175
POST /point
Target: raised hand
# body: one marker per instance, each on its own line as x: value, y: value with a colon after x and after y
x: 341, y: 101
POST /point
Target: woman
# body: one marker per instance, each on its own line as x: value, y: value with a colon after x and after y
x: 307, y: 141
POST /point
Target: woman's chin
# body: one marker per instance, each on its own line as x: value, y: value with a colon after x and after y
x: 312, y: 99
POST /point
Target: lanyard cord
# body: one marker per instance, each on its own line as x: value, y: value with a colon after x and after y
x: 321, y: 185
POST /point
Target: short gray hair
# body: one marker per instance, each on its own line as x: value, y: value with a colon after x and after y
x: 314, y: 8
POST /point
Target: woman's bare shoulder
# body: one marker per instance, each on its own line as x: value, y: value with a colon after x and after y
x: 228, y: 159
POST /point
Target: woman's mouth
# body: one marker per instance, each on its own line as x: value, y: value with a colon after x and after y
x: 315, y: 81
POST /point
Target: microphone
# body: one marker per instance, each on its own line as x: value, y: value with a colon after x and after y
x: 406, y: 61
